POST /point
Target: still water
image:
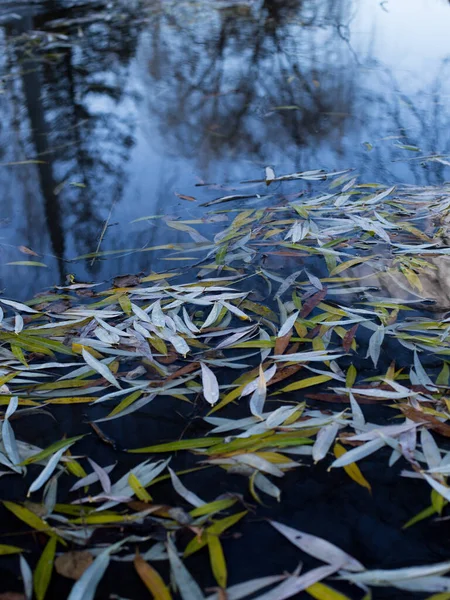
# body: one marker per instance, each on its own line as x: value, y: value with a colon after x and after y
x: 110, y: 110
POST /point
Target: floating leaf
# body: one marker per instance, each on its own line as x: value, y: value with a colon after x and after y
x: 151, y: 578
x: 352, y: 469
x: 44, y: 568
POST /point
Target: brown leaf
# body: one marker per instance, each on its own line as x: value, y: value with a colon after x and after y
x: 12, y: 596
x: 169, y: 359
x: 184, y: 197
x: 420, y: 417
x: 126, y: 281
x: 282, y: 343
x: 183, y: 371
x: 73, y: 564
x: 312, y: 302
x: 28, y: 251
x: 341, y: 398
x: 349, y: 337
x: 284, y: 373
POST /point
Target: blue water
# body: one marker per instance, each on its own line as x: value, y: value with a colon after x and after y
x: 127, y: 107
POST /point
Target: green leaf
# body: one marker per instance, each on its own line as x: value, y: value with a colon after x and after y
x: 216, y: 528
x: 5, y: 549
x: 423, y: 514
x: 51, y: 450
x: 30, y: 518
x: 44, y: 568
x: 217, y: 559
x: 26, y: 263
x: 180, y: 445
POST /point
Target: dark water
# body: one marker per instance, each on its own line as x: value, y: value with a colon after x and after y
x: 126, y: 107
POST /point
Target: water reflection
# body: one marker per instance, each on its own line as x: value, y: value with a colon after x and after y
x: 124, y: 109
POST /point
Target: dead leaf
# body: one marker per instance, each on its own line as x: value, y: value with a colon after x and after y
x: 184, y: 197
x: 312, y: 302
x: 282, y: 343
x: 28, y: 251
x: 126, y: 281
x: 349, y: 337
x: 73, y: 564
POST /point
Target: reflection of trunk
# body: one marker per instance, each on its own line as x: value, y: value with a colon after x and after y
x: 32, y: 87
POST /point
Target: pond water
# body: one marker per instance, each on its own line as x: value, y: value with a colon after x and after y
x: 125, y: 108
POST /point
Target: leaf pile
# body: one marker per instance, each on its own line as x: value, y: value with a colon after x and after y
x: 277, y: 367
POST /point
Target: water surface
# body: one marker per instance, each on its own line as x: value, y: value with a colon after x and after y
x: 126, y: 108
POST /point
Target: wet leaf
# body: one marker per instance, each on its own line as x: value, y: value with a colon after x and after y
x: 217, y: 559
x: 44, y: 568
x: 210, y: 385
x: 73, y: 564
x: 352, y: 469
x: 319, y: 548
x: 151, y: 578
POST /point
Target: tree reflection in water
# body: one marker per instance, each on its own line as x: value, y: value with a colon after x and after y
x: 134, y: 108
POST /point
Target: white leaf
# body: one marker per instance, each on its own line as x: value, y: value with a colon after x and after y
x: 141, y: 314
x: 391, y: 576
x: 100, y: 368
x: 357, y: 413
x: 247, y: 588
x: 288, y: 324
x: 27, y: 578
x: 251, y: 387
x: 18, y: 324
x: 324, y: 439
x: 319, y: 548
x: 358, y: 453
x: 259, y: 463
x: 12, y: 407
x: 294, y: 585
x: 102, y: 475
x: 430, y: 449
x: 90, y: 479
x: 266, y: 486
x: 179, y: 344
x: 187, y: 586
x: 180, y: 489
x: 315, y: 281
x: 85, y: 587
x: 136, y: 405
x: 158, y: 318
x: 259, y: 396
x: 10, y: 444
x: 18, y: 306
x: 48, y: 470
x: 375, y: 343
x: 189, y: 324
x: 210, y: 385
x: 213, y: 315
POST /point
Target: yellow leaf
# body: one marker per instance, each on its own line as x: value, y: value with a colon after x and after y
x: 44, y: 568
x: 350, y: 376
x: 159, y: 276
x: 5, y: 549
x: 212, y: 507
x: 216, y: 528
x: 352, y: 470
x: 151, y: 579
x: 438, y: 502
x: 304, y: 383
x: 125, y: 304
x: 320, y: 591
x: 348, y: 264
x: 31, y: 519
x: 217, y: 559
x: 138, y: 488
